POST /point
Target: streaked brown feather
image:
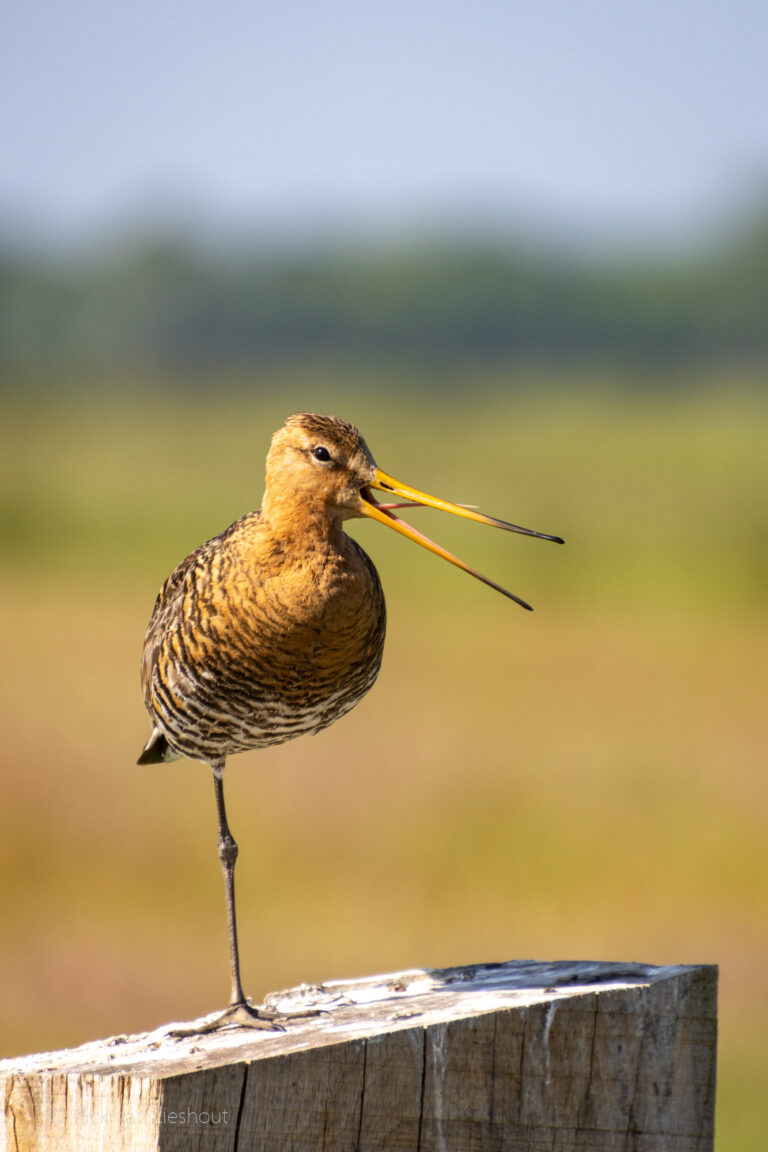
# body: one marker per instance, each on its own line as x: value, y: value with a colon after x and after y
x: 275, y: 627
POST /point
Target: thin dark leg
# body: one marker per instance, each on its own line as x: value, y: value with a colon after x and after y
x: 239, y: 1010
x: 228, y: 856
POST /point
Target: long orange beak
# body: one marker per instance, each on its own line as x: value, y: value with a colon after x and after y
x: 385, y: 515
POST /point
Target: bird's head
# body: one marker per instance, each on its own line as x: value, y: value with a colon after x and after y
x: 322, y: 465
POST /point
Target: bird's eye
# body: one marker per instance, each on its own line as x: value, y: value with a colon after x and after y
x: 321, y: 453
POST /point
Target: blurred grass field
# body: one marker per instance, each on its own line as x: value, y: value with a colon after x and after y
x: 586, y: 781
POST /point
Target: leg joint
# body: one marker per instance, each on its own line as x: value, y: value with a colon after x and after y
x: 227, y: 850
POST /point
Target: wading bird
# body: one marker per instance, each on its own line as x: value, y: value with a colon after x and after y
x: 275, y: 628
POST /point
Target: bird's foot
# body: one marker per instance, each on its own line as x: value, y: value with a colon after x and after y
x: 238, y: 1015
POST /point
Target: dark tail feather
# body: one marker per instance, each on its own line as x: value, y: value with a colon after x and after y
x: 157, y: 750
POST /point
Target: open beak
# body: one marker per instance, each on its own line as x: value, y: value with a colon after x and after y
x: 385, y: 515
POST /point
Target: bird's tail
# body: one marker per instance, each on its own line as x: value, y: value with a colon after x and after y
x: 157, y: 750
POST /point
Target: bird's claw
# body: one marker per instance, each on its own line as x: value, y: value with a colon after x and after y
x: 240, y: 1015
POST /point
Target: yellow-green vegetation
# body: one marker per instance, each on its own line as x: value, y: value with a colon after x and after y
x: 586, y: 781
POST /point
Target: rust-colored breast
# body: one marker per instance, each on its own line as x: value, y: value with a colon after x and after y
x: 253, y: 642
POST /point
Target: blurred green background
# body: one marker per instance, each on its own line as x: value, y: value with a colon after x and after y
x: 515, y: 249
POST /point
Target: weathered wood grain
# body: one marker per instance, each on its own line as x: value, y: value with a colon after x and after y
x: 516, y: 1057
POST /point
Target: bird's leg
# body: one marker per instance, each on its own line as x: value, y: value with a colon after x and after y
x: 228, y: 855
x: 239, y: 1010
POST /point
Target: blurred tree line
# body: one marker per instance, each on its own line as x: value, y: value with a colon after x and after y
x: 169, y: 304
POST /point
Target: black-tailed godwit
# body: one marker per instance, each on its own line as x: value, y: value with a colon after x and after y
x: 275, y: 628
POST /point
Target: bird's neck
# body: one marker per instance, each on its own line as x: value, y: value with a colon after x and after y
x: 304, y: 523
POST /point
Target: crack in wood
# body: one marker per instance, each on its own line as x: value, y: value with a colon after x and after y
x: 362, y: 1098
x: 12, y: 1112
x: 492, y: 1103
x: 632, y: 1125
x: 240, y: 1106
x: 422, y: 1089
x: 585, y: 1106
x: 521, y: 1066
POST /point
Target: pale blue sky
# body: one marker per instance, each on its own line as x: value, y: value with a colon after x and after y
x: 599, y: 112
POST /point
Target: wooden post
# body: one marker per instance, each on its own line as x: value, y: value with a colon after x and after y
x: 496, y: 1057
